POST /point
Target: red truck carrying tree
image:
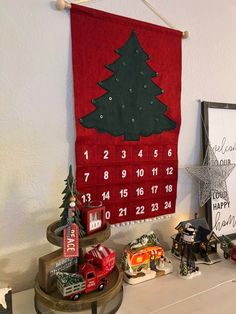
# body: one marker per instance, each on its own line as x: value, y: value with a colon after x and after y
x: 92, y: 274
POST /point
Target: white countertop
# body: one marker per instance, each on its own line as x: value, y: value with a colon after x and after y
x: 213, y: 292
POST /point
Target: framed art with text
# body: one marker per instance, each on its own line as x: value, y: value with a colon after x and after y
x: 127, y: 86
x: 219, y: 130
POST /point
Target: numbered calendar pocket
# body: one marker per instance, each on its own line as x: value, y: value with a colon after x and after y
x: 154, y: 171
x: 86, y: 154
x: 139, y: 191
x: 155, y: 153
x: 105, y: 175
x: 122, y: 211
x: 105, y: 194
x: 86, y: 195
x: 140, y: 153
x: 153, y: 189
x: 87, y: 176
x: 123, y: 174
x: 106, y: 154
x: 168, y: 205
x: 168, y: 188
x: 138, y: 210
x: 134, y: 182
x: 123, y: 154
x: 169, y: 152
x: 169, y: 171
x: 122, y: 193
x: 140, y: 173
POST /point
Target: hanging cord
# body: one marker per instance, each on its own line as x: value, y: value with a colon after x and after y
x: 185, y: 34
x: 62, y: 5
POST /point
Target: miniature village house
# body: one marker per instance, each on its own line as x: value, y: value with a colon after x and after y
x: 205, y: 240
x: 143, y: 258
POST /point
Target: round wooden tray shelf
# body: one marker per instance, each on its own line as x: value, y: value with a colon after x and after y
x: 88, y: 240
x: 56, y: 302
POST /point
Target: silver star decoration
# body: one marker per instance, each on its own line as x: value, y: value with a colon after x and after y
x: 211, y: 176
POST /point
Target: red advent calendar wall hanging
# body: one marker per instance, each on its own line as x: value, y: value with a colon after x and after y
x: 127, y: 85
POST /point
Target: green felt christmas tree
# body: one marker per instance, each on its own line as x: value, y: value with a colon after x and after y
x: 70, y: 197
x: 130, y: 107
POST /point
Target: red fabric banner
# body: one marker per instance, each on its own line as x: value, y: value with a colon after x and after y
x: 127, y: 117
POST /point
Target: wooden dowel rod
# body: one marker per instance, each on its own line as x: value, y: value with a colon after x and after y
x: 185, y: 34
x: 62, y: 5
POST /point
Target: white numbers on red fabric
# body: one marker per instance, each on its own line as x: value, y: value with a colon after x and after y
x: 168, y: 188
x: 140, y: 153
x: 122, y: 212
x: 167, y: 205
x: 86, y: 175
x: 154, y: 207
x: 105, y: 154
x: 123, y: 193
x: 155, y: 153
x: 106, y: 195
x: 140, y: 172
x: 123, y: 173
x: 86, y: 197
x: 169, y: 171
x: 108, y: 214
x: 106, y: 175
x: 154, y: 189
x: 154, y: 171
x: 169, y: 153
x: 123, y: 154
x: 140, y: 210
x: 86, y: 155
x: 140, y: 191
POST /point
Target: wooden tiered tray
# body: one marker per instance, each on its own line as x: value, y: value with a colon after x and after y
x: 49, y: 300
x: 91, y: 239
x: 88, y: 301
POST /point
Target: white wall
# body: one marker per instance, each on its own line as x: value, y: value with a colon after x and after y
x: 37, y: 123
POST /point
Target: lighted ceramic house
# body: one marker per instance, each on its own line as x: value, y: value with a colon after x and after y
x: 144, y: 259
x: 93, y: 218
x: 205, y: 240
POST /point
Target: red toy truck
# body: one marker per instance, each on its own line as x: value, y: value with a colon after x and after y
x: 92, y: 274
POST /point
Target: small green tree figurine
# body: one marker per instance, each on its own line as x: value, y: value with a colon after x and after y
x: 130, y: 106
x: 70, y: 212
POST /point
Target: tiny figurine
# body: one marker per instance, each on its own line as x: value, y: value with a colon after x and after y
x: 5, y: 299
x: 205, y: 242
x: 228, y: 247
x: 92, y: 274
x: 187, y: 265
x: 144, y: 259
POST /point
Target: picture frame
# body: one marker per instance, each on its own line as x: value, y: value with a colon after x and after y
x: 219, y: 130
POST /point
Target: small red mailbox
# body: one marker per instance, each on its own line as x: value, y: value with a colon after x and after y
x: 93, y: 217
